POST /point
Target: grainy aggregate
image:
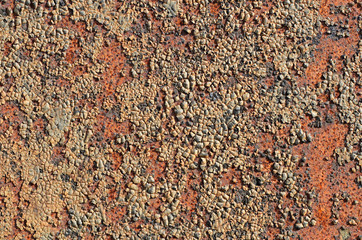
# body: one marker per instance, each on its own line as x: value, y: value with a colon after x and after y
x: 180, y: 119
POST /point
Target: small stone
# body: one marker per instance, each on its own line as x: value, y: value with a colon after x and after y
x: 313, y: 222
x: 299, y: 226
x: 352, y: 222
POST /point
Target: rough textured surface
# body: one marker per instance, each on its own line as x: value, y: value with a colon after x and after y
x: 180, y: 119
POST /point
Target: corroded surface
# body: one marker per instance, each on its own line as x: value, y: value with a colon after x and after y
x: 180, y: 119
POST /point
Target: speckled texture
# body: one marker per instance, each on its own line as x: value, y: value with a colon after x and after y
x: 180, y: 119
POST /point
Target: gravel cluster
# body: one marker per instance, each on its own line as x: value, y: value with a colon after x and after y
x: 174, y: 119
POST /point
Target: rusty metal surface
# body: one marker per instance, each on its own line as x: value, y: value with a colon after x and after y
x: 320, y: 171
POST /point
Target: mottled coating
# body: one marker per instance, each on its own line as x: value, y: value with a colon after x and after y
x: 180, y: 119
